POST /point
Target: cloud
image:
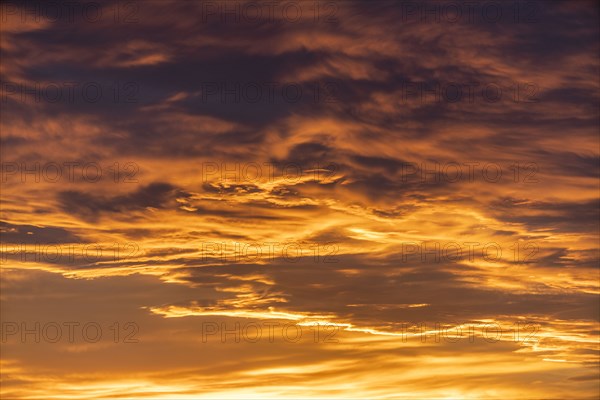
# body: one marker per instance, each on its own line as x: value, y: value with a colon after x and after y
x: 277, y: 168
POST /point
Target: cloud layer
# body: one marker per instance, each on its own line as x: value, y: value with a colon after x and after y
x: 412, y: 186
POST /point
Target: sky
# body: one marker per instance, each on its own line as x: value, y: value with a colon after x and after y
x: 299, y: 200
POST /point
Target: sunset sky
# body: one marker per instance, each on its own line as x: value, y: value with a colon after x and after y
x: 300, y: 199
